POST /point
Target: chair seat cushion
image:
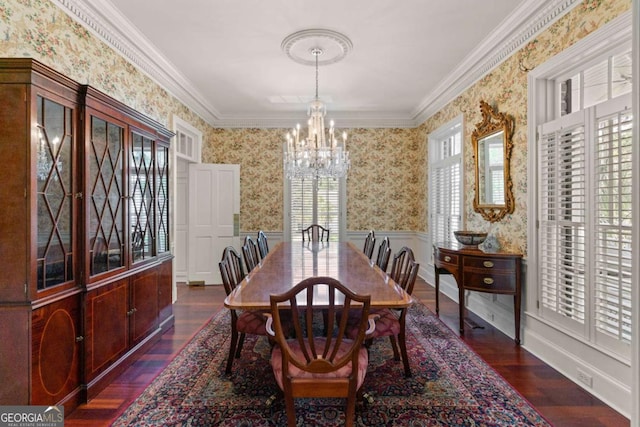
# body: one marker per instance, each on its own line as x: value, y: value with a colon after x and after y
x: 255, y: 322
x: 295, y: 372
x: 252, y: 322
x: 387, y: 324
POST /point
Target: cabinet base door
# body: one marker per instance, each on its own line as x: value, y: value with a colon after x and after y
x: 144, y: 304
x: 107, y: 327
x: 55, y: 351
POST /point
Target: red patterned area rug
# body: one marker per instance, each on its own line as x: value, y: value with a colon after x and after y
x: 451, y: 386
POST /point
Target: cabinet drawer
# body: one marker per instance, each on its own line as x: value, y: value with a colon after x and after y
x: 489, y: 264
x: 479, y: 281
x: 446, y: 259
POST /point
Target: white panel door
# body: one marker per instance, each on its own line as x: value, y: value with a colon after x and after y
x: 214, y: 207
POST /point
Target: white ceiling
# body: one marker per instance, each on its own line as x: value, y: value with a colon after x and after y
x: 224, y: 57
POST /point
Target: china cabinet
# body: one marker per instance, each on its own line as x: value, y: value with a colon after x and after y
x: 84, y: 236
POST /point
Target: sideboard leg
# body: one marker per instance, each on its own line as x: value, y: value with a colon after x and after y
x: 516, y: 309
x: 461, y: 308
x: 437, y: 274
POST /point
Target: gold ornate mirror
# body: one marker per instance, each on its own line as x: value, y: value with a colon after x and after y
x: 492, y: 146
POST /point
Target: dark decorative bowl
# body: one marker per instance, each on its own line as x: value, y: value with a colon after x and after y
x: 470, y: 238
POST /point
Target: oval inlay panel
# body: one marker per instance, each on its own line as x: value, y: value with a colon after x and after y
x: 57, y: 351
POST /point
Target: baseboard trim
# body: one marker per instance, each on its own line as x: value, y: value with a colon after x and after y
x: 603, y: 386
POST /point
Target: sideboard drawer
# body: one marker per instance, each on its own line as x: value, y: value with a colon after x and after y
x: 444, y: 259
x: 489, y: 264
x: 488, y: 282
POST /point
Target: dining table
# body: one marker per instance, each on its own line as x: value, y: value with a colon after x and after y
x: 288, y: 263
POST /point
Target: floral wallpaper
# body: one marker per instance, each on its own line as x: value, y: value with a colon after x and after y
x: 259, y: 154
x: 39, y: 29
x: 383, y: 186
x: 506, y: 88
x: 386, y: 187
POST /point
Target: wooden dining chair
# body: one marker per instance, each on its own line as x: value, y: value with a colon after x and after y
x: 313, y: 363
x: 315, y: 233
x: 391, y: 322
x: 263, y: 244
x: 242, y: 322
x: 250, y: 253
x: 384, y: 253
x: 369, y: 244
x: 236, y: 267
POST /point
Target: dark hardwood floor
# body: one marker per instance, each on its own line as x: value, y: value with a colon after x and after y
x: 561, y: 401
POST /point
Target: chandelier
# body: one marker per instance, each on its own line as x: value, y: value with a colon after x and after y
x: 316, y: 152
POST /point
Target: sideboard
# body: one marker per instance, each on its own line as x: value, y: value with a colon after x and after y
x: 475, y: 270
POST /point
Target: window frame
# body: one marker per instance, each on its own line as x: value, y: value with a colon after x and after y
x: 590, y: 60
x: 544, y: 106
x: 436, y: 162
x: 193, y: 143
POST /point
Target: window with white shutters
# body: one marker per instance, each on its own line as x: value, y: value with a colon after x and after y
x: 562, y: 172
x: 584, y: 227
x: 315, y: 202
x: 612, y: 233
x: 445, y: 181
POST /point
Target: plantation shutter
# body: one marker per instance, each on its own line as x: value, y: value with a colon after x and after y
x: 613, y: 181
x: 562, y: 172
x: 301, y: 206
x: 445, y: 187
x: 445, y: 202
x: 315, y: 204
x: 328, y: 206
x: 585, y: 195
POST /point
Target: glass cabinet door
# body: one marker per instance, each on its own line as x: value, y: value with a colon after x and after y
x: 162, y: 161
x: 106, y: 217
x: 54, y: 177
x: 142, y: 198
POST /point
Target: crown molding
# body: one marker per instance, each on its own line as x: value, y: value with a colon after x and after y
x: 531, y: 18
x: 107, y: 23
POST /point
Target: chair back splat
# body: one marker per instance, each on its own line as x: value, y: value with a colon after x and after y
x: 263, y: 244
x: 234, y: 268
x: 315, y: 233
x: 369, y: 244
x: 250, y: 253
x: 401, y: 269
x: 384, y: 253
x: 319, y: 362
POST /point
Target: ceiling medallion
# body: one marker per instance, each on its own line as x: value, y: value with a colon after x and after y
x: 334, y: 45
